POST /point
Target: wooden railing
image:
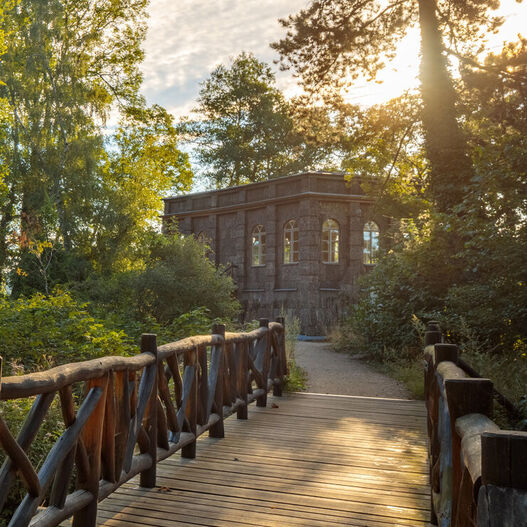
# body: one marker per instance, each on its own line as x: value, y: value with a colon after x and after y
x: 122, y: 415
x: 478, y: 472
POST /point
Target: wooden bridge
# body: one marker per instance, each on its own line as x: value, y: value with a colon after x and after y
x: 294, y: 460
x: 305, y: 459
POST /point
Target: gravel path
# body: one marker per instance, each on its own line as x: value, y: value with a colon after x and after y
x: 338, y: 373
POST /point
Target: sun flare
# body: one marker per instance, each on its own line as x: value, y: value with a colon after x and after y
x: 401, y: 74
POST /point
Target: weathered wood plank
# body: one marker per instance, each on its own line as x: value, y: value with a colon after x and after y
x: 314, y: 460
x: 189, y: 405
x: 92, y: 436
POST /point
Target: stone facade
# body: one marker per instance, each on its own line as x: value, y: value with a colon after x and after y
x: 308, y: 288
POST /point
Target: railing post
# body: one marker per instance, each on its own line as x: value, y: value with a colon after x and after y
x: 262, y: 400
x: 148, y: 477
x: 92, y: 438
x: 464, y: 396
x: 243, y: 376
x: 281, y: 363
x: 217, y: 429
x: 502, y: 497
x: 445, y: 352
x: 438, y: 427
x: 433, y: 333
x: 191, y: 409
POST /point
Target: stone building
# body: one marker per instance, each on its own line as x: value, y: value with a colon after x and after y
x: 297, y: 243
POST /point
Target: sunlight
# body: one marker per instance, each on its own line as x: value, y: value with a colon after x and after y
x: 401, y: 74
x: 398, y: 76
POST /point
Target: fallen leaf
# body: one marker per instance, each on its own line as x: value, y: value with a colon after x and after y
x: 163, y: 489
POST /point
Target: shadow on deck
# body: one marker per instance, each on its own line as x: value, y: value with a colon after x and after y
x: 317, y: 460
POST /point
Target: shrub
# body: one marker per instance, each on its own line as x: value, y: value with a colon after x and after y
x: 178, y: 290
x: 41, y: 332
x: 179, y: 278
x: 297, y: 377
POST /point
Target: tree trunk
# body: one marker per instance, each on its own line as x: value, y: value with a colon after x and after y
x: 445, y: 144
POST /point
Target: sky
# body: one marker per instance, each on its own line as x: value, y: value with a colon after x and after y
x: 187, y: 39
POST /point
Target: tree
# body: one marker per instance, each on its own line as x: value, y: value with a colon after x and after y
x: 481, y: 294
x: 143, y: 163
x: 246, y: 130
x: 2, y: 33
x: 67, y: 66
x: 331, y: 41
x: 383, y: 146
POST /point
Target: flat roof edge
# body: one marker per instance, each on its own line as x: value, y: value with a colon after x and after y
x: 256, y: 183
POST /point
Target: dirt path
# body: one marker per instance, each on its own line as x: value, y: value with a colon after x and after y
x: 338, y: 373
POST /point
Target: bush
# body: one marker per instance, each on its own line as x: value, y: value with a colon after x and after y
x: 179, y: 278
x: 41, y: 332
x: 38, y: 333
x: 178, y: 290
x: 297, y: 377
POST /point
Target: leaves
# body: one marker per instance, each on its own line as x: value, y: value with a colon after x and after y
x: 41, y: 332
x: 245, y: 131
x: 66, y: 66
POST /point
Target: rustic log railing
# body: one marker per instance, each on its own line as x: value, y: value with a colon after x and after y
x: 134, y: 412
x: 478, y: 472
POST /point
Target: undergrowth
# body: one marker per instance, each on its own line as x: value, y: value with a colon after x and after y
x: 296, y: 379
x: 506, y: 369
x: 409, y: 373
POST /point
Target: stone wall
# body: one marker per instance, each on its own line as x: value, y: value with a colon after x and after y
x: 309, y: 289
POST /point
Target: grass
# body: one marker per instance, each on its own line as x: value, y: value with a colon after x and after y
x: 408, y: 372
x: 296, y: 381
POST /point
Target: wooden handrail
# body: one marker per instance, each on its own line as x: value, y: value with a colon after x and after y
x: 477, y: 471
x: 136, y: 411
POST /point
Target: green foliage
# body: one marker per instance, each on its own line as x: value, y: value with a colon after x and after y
x: 507, y: 370
x: 195, y: 322
x: 296, y: 380
x: 246, y: 131
x: 66, y: 66
x: 178, y: 277
x: 143, y: 164
x: 176, y: 289
x: 405, y: 370
x: 43, y: 266
x: 58, y: 81
x: 297, y: 377
x: 41, y: 332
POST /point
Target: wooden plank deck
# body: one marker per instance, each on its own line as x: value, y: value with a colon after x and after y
x: 316, y: 460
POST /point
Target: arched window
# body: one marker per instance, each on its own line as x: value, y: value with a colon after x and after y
x: 291, y: 242
x: 330, y: 241
x: 258, y: 246
x: 371, y: 243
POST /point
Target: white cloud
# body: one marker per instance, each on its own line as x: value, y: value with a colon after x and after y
x: 187, y: 39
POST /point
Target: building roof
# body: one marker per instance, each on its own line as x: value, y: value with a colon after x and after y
x: 321, y: 185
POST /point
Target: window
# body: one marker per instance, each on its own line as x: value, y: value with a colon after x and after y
x: 291, y: 242
x: 371, y: 243
x: 330, y: 241
x: 258, y: 246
